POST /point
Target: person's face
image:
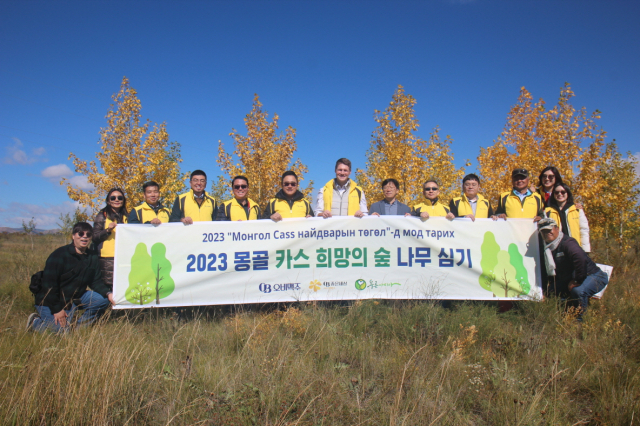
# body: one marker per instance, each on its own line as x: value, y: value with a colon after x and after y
x: 560, y: 194
x: 116, y: 200
x: 198, y: 183
x: 152, y: 195
x: 289, y: 186
x: 431, y: 191
x: 390, y: 191
x: 82, y: 239
x: 240, y: 189
x: 520, y: 182
x: 471, y: 188
x: 548, y: 179
x: 550, y: 235
x: 342, y: 173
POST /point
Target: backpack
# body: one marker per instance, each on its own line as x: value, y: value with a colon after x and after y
x: 36, y: 282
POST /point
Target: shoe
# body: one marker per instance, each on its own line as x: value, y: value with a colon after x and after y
x: 30, y: 321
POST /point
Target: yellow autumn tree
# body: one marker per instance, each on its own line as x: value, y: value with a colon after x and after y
x: 130, y: 155
x: 262, y: 156
x: 615, y: 214
x: 535, y: 137
x: 397, y: 152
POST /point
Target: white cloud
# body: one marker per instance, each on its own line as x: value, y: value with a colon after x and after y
x: 56, y: 172
x: 81, y: 182
x: 46, y: 216
x: 16, y: 155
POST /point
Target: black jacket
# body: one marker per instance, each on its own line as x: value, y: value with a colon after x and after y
x: 66, y: 277
x: 572, y: 263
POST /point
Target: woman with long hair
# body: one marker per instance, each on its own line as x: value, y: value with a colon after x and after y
x: 549, y: 177
x: 569, y: 216
x: 104, y: 231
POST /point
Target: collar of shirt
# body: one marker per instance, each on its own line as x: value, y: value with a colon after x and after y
x: 339, y: 187
x: 198, y: 197
x: 386, y: 202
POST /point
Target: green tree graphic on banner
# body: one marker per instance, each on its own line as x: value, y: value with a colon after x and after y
x: 149, y: 277
x: 503, y: 272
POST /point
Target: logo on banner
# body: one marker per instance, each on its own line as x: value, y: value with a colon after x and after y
x: 268, y: 288
x: 361, y: 284
x: 334, y: 284
x: 315, y: 285
x: 503, y: 271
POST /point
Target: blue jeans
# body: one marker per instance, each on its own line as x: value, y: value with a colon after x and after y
x: 93, y: 304
x: 590, y: 286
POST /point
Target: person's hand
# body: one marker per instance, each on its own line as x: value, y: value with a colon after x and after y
x: 450, y: 216
x: 276, y: 217
x: 60, y: 318
x: 375, y: 214
x: 471, y: 216
x: 112, y: 225
x: 407, y: 214
x: 536, y: 219
x: 532, y: 188
x: 187, y: 221
x: 359, y: 214
x: 308, y: 215
x: 499, y: 216
x: 326, y: 214
x: 579, y: 206
x: 155, y: 221
x: 424, y: 216
x: 572, y: 285
x: 111, y: 299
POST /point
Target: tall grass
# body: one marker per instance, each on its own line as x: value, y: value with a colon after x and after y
x: 374, y: 363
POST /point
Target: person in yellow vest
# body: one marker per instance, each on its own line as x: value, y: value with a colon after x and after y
x: 341, y: 196
x: 520, y: 202
x: 151, y: 211
x: 195, y: 205
x: 104, y: 231
x: 289, y: 201
x: 432, y: 205
x: 471, y: 205
x: 240, y: 207
x: 571, y: 218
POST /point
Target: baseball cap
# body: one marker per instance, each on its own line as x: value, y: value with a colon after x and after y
x: 519, y: 172
x: 547, y: 223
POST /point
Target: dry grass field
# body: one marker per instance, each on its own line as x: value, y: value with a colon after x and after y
x: 372, y: 363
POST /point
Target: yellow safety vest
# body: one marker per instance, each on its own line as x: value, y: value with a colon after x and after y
x: 235, y: 211
x: 300, y: 208
x: 527, y: 209
x: 145, y: 213
x: 464, y: 206
x: 573, y: 221
x: 355, y: 195
x: 108, y: 248
x: 199, y: 213
x: 434, y: 209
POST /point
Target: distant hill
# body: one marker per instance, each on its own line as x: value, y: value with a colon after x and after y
x: 37, y: 231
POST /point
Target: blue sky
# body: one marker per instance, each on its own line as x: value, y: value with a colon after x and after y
x: 322, y: 66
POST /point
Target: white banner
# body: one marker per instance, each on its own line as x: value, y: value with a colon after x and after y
x: 388, y: 257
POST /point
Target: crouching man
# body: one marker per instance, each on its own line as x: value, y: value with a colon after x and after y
x: 68, y: 272
x: 569, y: 269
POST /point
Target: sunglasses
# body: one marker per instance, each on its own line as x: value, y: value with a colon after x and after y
x: 240, y: 186
x: 549, y: 177
x: 116, y: 197
x: 289, y: 184
x: 81, y: 234
x: 433, y: 188
x: 546, y: 231
x: 560, y: 192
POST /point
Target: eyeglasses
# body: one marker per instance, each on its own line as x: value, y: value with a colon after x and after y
x: 433, y: 188
x: 240, y: 186
x: 549, y: 177
x: 116, y: 197
x: 81, y: 234
x: 289, y: 184
x: 560, y: 192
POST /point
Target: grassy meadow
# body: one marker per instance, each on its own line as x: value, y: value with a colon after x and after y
x: 372, y: 363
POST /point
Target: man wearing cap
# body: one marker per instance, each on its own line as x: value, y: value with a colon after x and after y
x: 520, y: 202
x: 568, y: 267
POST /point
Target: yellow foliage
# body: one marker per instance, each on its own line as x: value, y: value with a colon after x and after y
x: 129, y: 156
x: 535, y: 138
x: 263, y: 155
x: 396, y: 152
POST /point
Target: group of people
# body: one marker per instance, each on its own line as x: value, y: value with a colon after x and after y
x: 73, y: 268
